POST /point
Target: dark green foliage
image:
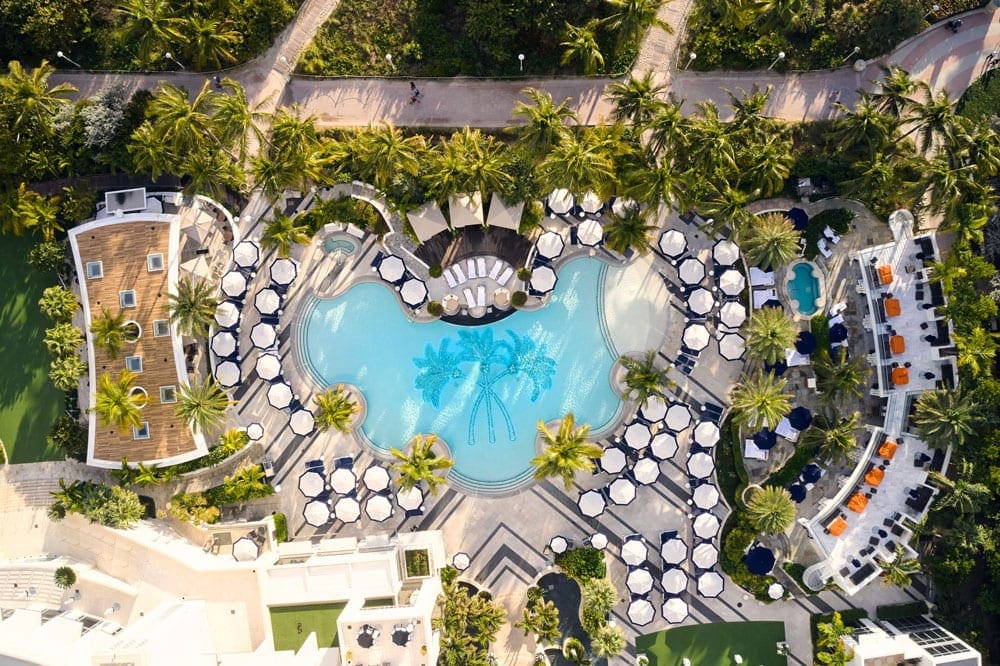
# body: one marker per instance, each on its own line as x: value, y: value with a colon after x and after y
x: 792, y: 467
x: 900, y: 611
x: 112, y: 506
x: 65, y: 577
x: 226, y: 447
x: 435, y: 270
x: 417, y: 563
x: 982, y: 98
x: 737, y: 535
x: 838, y: 219
x: 820, y: 327
x: 435, y: 309
x: 850, y: 618
x: 796, y: 570
x: 48, y: 255
x: 730, y: 471
x: 518, y: 299
x: 280, y: 527
x: 68, y: 436
x: 345, y: 210
x: 582, y: 564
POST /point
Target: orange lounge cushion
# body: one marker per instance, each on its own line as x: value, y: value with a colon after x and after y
x: 892, y: 307
x: 900, y: 376
x: 897, y: 344
x: 885, y: 274
x: 857, y: 503
x: 838, y: 526
x: 875, y: 476
x: 888, y: 449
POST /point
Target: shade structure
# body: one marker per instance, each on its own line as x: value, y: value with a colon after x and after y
x: 378, y: 508
x: 302, y: 422
x: 227, y: 314
x: 805, y: 343
x: 732, y: 282
x: 812, y: 473
x: 263, y: 336
x: 311, y: 483
x: 732, y: 346
x: 678, y: 417
x: 245, y: 550
x: 726, y: 253
x: 798, y: 492
x: 376, y: 478
x: 560, y: 201
x: 246, y: 254
x: 775, y: 591
x: 590, y: 232
x: 227, y: 374
x: 401, y: 636
x: 654, y: 409
x: 800, y: 418
x: 598, y: 541
x: 701, y: 465
x: 672, y: 243
x: 461, y: 561
x: 706, y: 434
x: 663, y: 446
x: 316, y: 513
x: 701, y: 301
x: 591, y: 503
x: 234, y: 284
x: 613, y: 460
x: 705, y: 496
x: 427, y: 221
x: 710, y: 584
x: 673, y: 551
x: 543, y: 279
x: 634, y: 552
x: 765, y: 439
x: 268, y: 367
x: 641, y: 612
x: 621, y: 207
x: 675, y: 610
x: 691, y: 271
x: 696, y: 336
x: 639, y: 581
x: 838, y: 333
x: 590, y: 202
x: 674, y: 581
x: 705, y: 555
x: 284, y: 271
x: 621, y: 491
x: 255, y: 432
x: 391, y: 268
x: 267, y: 301
x: 646, y: 471
x: 451, y: 303
x: 343, y: 480
x: 550, y: 245
x: 347, y: 509
x: 413, y: 292
x: 223, y: 344
x: 759, y: 560
x: 503, y: 214
x: 279, y: 395
x: 501, y: 298
x: 637, y: 435
x: 732, y: 314
x: 558, y: 544
x: 410, y: 500
x: 197, y: 268
x: 706, y: 525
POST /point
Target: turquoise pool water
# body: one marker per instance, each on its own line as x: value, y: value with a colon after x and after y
x: 804, y: 288
x: 482, y: 389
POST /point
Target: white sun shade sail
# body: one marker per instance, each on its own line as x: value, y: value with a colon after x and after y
x: 543, y: 279
x: 461, y: 561
x: 550, y: 245
x: 560, y: 201
x: 414, y: 291
x: 691, y: 271
x: 696, y: 336
x: 391, y: 269
x: 255, y: 432
x: 621, y: 491
x: 267, y: 301
x: 311, y: 483
x: 234, y: 284
x: 673, y: 551
x: 710, y: 584
x: 411, y: 499
x: 343, y: 480
x: 227, y: 314
x: 675, y: 610
x: 246, y: 254
x: 613, y: 460
x: 591, y: 503
x: 228, y: 374
x: 378, y: 508
x: 268, y: 366
x: 376, y: 478
x: 705, y: 555
x: 590, y: 202
x: 284, y: 271
x: 466, y: 210
x: 347, y: 509
x: 302, y: 422
x: 637, y: 436
x: 558, y: 544
x: 503, y: 215
x: 245, y: 550
x: 590, y: 232
x: 639, y: 581
x: 316, y: 513
x: 726, y: 253
x: 706, y: 433
x: 674, y: 581
x: 732, y: 282
x: 732, y: 346
x: 641, y: 612
x: 223, y: 344
x: 701, y: 301
x: 634, y: 552
x: 732, y: 314
x: 263, y: 336
x: 279, y: 395
x: 775, y: 591
x: 646, y: 471
x: 678, y: 417
x: 673, y: 243
x: 705, y: 496
x: 706, y: 525
x: 427, y: 221
x: 701, y: 465
x: 621, y: 207
x: 197, y: 268
x: 654, y: 409
x: 663, y: 446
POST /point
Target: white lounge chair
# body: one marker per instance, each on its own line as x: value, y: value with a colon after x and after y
x: 823, y: 249
x: 759, y: 278
x: 470, y: 300
x: 761, y: 296
x: 355, y: 231
x: 831, y: 235
x: 471, y: 266
x: 481, y: 296
x: 838, y: 308
x: 495, y: 271
x: 481, y: 266
x: 837, y: 319
x: 786, y: 430
x: 752, y: 451
x: 505, y: 276
x: 449, y: 278
x: 459, y: 275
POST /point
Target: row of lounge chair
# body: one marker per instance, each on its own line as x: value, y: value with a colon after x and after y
x: 500, y: 272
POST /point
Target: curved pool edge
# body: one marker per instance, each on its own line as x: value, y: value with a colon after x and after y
x: 820, y: 300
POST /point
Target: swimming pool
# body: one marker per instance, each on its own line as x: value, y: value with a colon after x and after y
x: 481, y: 389
x: 804, y: 288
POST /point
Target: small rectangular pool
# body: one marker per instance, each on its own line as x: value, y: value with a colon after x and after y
x: 804, y: 289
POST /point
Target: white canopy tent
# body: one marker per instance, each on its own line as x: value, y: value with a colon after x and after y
x: 263, y: 336
x: 590, y: 232
x: 641, y: 612
x: 706, y: 433
x: 675, y: 610
x: 639, y: 581
x: 706, y: 525
x: 234, y: 284
x: 284, y: 271
x: 427, y: 221
x: 701, y: 465
x: 223, y: 344
x: 466, y: 210
x: 672, y: 243
x: 710, y: 584
x: 267, y: 301
x: 654, y: 409
x: 591, y: 503
x: 590, y: 202
x: 696, y: 336
x: 268, y: 367
x: 674, y: 581
x: 646, y: 471
x: 228, y: 374
x: 663, y: 446
x: 705, y: 555
x: 311, y: 483
x: 347, y: 509
x: 634, y: 552
x: 732, y: 282
x: 733, y: 314
x: 732, y: 346
x: 279, y: 395
x: 302, y: 422
x: 621, y: 491
x: 701, y: 301
x: 316, y: 513
x: 227, y: 314
x: 622, y: 206
x: 343, y: 480
x: 550, y: 245
x: 705, y: 496
x: 726, y: 253
x: 678, y: 417
x: 637, y: 436
x: 410, y: 500
x: 673, y: 551
x: 560, y: 201
x: 503, y: 215
x: 378, y: 507
x: 413, y: 292
x: 691, y: 271
x: 613, y: 460
x: 246, y: 254
x: 391, y: 268
x: 376, y: 478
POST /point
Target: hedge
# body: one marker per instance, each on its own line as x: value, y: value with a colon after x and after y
x: 900, y: 611
x: 582, y: 564
x: 851, y: 618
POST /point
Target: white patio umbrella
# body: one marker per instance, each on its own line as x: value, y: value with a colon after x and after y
x: 560, y: 201
x: 255, y: 432
x: 311, y: 483
x: 391, y: 269
x: 732, y: 346
x: 558, y: 544
x: 634, y: 552
x: 673, y: 243
x: 641, y: 612
x: 550, y: 245
x: 710, y: 584
x: 246, y: 254
x: 268, y: 366
x: 376, y: 478
x: 726, y: 253
x: 410, y: 500
x: 413, y: 292
x: 223, y: 344
x: 267, y: 301
x: 696, y: 336
x: 654, y: 409
x: 706, y: 525
x: 227, y: 314
x: 701, y: 301
x: 228, y: 374
x: 701, y: 465
x: 706, y: 433
x: 347, y: 509
x: 732, y: 282
x: 663, y: 446
x: 590, y: 232
x: 691, y: 271
x: 613, y: 460
x: 543, y: 279
x: 302, y: 422
x: 598, y: 541
x: 234, y: 284
x: 461, y: 561
x: 675, y: 610
x: 451, y: 303
x: 705, y: 555
x: 316, y: 513
x: 343, y: 480
x: 776, y: 591
x: 678, y: 417
x: 705, y: 496
x: 245, y: 550
x: 378, y: 508
x: 639, y: 581
x: 646, y: 471
x: 637, y: 435
x: 673, y: 551
x: 622, y: 206
x: 279, y: 395
x: 674, y: 581
x: 590, y: 202
x: 621, y: 491
x: 284, y: 271
x: 263, y: 335
x: 732, y: 314
x: 591, y: 503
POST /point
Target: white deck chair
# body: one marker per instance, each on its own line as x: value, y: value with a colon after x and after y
x: 505, y: 276
x: 481, y: 266
x: 761, y: 296
x: 481, y: 296
x: 459, y: 275
x: 470, y: 300
x: 823, y: 249
x: 449, y: 278
x: 759, y: 278
x: 786, y: 430
x: 495, y: 271
x: 471, y: 266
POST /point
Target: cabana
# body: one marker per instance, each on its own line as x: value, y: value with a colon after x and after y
x: 504, y: 215
x: 466, y: 210
x: 428, y: 220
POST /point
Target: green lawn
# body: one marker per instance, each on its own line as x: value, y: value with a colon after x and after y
x: 291, y: 625
x: 29, y: 404
x: 715, y: 644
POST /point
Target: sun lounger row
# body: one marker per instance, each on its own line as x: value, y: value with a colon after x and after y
x: 479, y: 300
x: 476, y: 268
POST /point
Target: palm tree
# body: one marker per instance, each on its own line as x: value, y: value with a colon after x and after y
x: 567, y: 452
x: 108, y: 331
x: 771, y: 509
x: 58, y: 303
x: 830, y: 642
x: 65, y: 577
x: 632, y: 18
x: 541, y: 620
x: 31, y: 97
x: 125, y: 475
x: 182, y: 124
x: 643, y: 379
x: 335, y: 409
x: 724, y: 205
x: 114, y: 402
x: 282, y: 233
x: 30, y: 211
x: 209, y: 171
x: 895, y: 94
x: 865, y: 126
x: 946, y: 418
x: 148, y: 152
x: 233, y: 121
x: 632, y: 231
x: 545, y: 121
x: 202, y: 405
x: 977, y: 351
x: 840, y: 380
x: 581, y: 45
x: 63, y: 339
x: 151, y: 475
x: 653, y: 183
x: 247, y: 483
x: 468, y: 162
x: 192, y: 306
x: 65, y: 372
x: 932, y: 118
x: 835, y: 437
x: 421, y: 465
x: 574, y: 652
x: 759, y: 401
x: 608, y: 642
x: 150, y: 24
x: 636, y: 100
x: 578, y: 163
x: 769, y: 332
x: 382, y: 153
x: 770, y: 240
x: 209, y: 42
x: 770, y: 166
x: 900, y: 570
x: 965, y: 496
x: 668, y: 128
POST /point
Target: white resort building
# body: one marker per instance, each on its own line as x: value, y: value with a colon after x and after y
x: 918, y: 641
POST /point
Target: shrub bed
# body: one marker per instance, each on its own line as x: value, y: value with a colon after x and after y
x: 900, y: 611
x: 582, y: 564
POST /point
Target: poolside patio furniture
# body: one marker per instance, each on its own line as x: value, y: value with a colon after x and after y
x: 706, y: 525
x: 613, y: 460
x: 268, y: 367
x: 543, y: 279
x: 255, y: 432
x: 700, y: 465
x: 705, y: 496
x: 470, y: 298
x: 461, y: 561
x: 504, y: 215
x: 402, y: 634
x: 897, y: 344
x: 706, y: 434
x: 823, y: 248
x: 459, y: 275
x: 805, y: 342
x: 223, y: 344
x: 800, y: 418
x: 893, y: 307
x: 376, y: 478
x: 591, y: 503
x: 410, y: 500
x: 451, y: 303
x: 279, y: 395
x: 312, y: 483
x: 678, y: 417
x: 726, y: 253
x: 672, y: 243
x: 378, y: 508
x: 228, y: 374
x: 798, y: 492
x: 590, y: 233
x: 428, y: 221
x: 284, y: 271
x: 263, y: 336
x: 590, y: 203
x: 316, y: 513
x: 732, y: 346
x: 759, y: 560
x: 691, y: 271
x: 838, y: 333
x: 646, y: 471
x: 560, y: 201
x: 347, y: 509
x: 267, y: 301
x: 696, y: 336
x: 550, y: 245
x: 637, y: 435
x: 674, y: 610
x: 639, y: 581
x: 710, y: 584
x: 837, y: 527
x: 558, y: 544
x: 874, y: 477
x: 505, y: 276
x: 302, y: 422
x: 234, y: 284
x: 621, y: 492
x: 599, y: 541
x: 762, y: 297
x: 245, y: 549
x: 391, y: 269
x: 884, y: 273
x: 246, y: 254
x: 343, y: 481
x: 672, y: 549
x: 751, y: 451
x: 732, y: 282
x: 674, y: 580
x: 227, y: 315
x: 812, y: 473
x: 857, y: 503
x: 888, y: 449
x: 900, y: 376
x: 765, y: 439
x: 414, y: 292
x: 480, y: 296
x: 641, y: 612
x: 705, y: 555
x: 775, y: 591
x: 760, y: 278
x: 701, y: 301
x: 654, y: 409
x: 732, y: 314
x: 663, y: 446
x: 634, y: 551
x: 367, y: 636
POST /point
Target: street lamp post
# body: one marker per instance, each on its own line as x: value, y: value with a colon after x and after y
x: 934, y: 10
x: 169, y: 56
x: 68, y: 59
x: 284, y: 61
x: 855, y: 51
x: 691, y: 58
x: 781, y: 56
x: 520, y: 62
x: 388, y: 59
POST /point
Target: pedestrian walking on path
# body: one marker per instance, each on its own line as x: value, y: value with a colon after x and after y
x: 414, y: 93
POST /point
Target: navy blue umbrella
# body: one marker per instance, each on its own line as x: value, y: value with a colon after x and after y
x: 811, y: 473
x: 799, y: 218
x: 778, y: 368
x: 765, y: 439
x: 838, y: 333
x: 806, y: 343
x: 800, y: 418
x: 798, y: 492
x: 760, y: 560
